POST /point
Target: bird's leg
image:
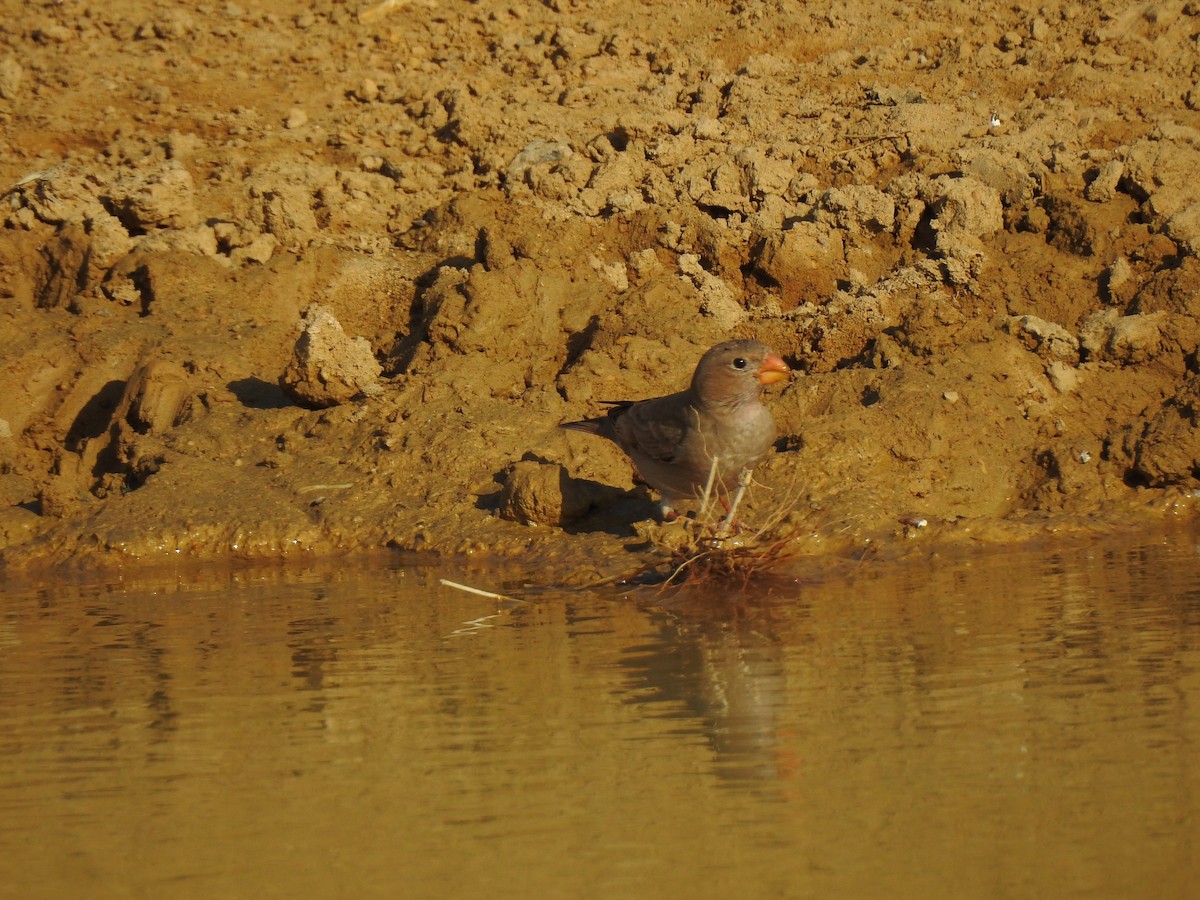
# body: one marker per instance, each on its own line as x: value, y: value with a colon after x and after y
x: 727, y: 523
x: 667, y: 513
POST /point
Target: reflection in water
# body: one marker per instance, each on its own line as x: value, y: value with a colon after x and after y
x: 716, y: 662
x: 311, y: 653
x: 1009, y: 724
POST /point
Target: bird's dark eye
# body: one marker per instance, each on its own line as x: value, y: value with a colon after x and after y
x: 739, y: 363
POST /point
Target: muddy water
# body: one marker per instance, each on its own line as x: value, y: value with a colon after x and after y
x: 1007, y: 724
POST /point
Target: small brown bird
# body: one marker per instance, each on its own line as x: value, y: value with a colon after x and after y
x: 673, y: 440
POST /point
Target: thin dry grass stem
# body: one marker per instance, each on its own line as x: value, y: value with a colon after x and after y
x: 708, y: 486
x: 478, y: 591
x: 727, y: 523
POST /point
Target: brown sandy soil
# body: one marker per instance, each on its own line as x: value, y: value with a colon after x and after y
x: 974, y: 231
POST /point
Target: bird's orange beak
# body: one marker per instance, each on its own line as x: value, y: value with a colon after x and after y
x: 773, y: 369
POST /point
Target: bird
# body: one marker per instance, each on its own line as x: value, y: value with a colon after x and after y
x: 674, y: 440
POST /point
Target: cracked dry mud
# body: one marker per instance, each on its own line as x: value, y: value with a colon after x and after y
x: 973, y: 229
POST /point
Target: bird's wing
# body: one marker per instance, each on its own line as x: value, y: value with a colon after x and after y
x: 654, y: 428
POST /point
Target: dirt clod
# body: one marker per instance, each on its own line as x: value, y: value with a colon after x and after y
x: 327, y: 366
x: 537, y: 493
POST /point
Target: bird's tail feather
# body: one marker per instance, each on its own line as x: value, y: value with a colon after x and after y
x: 588, y: 426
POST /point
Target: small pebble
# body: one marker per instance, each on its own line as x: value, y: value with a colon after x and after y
x: 367, y: 91
x: 53, y: 34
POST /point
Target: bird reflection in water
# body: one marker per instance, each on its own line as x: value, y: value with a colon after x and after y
x: 719, y: 661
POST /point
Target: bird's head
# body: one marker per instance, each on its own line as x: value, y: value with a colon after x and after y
x: 735, y: 372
